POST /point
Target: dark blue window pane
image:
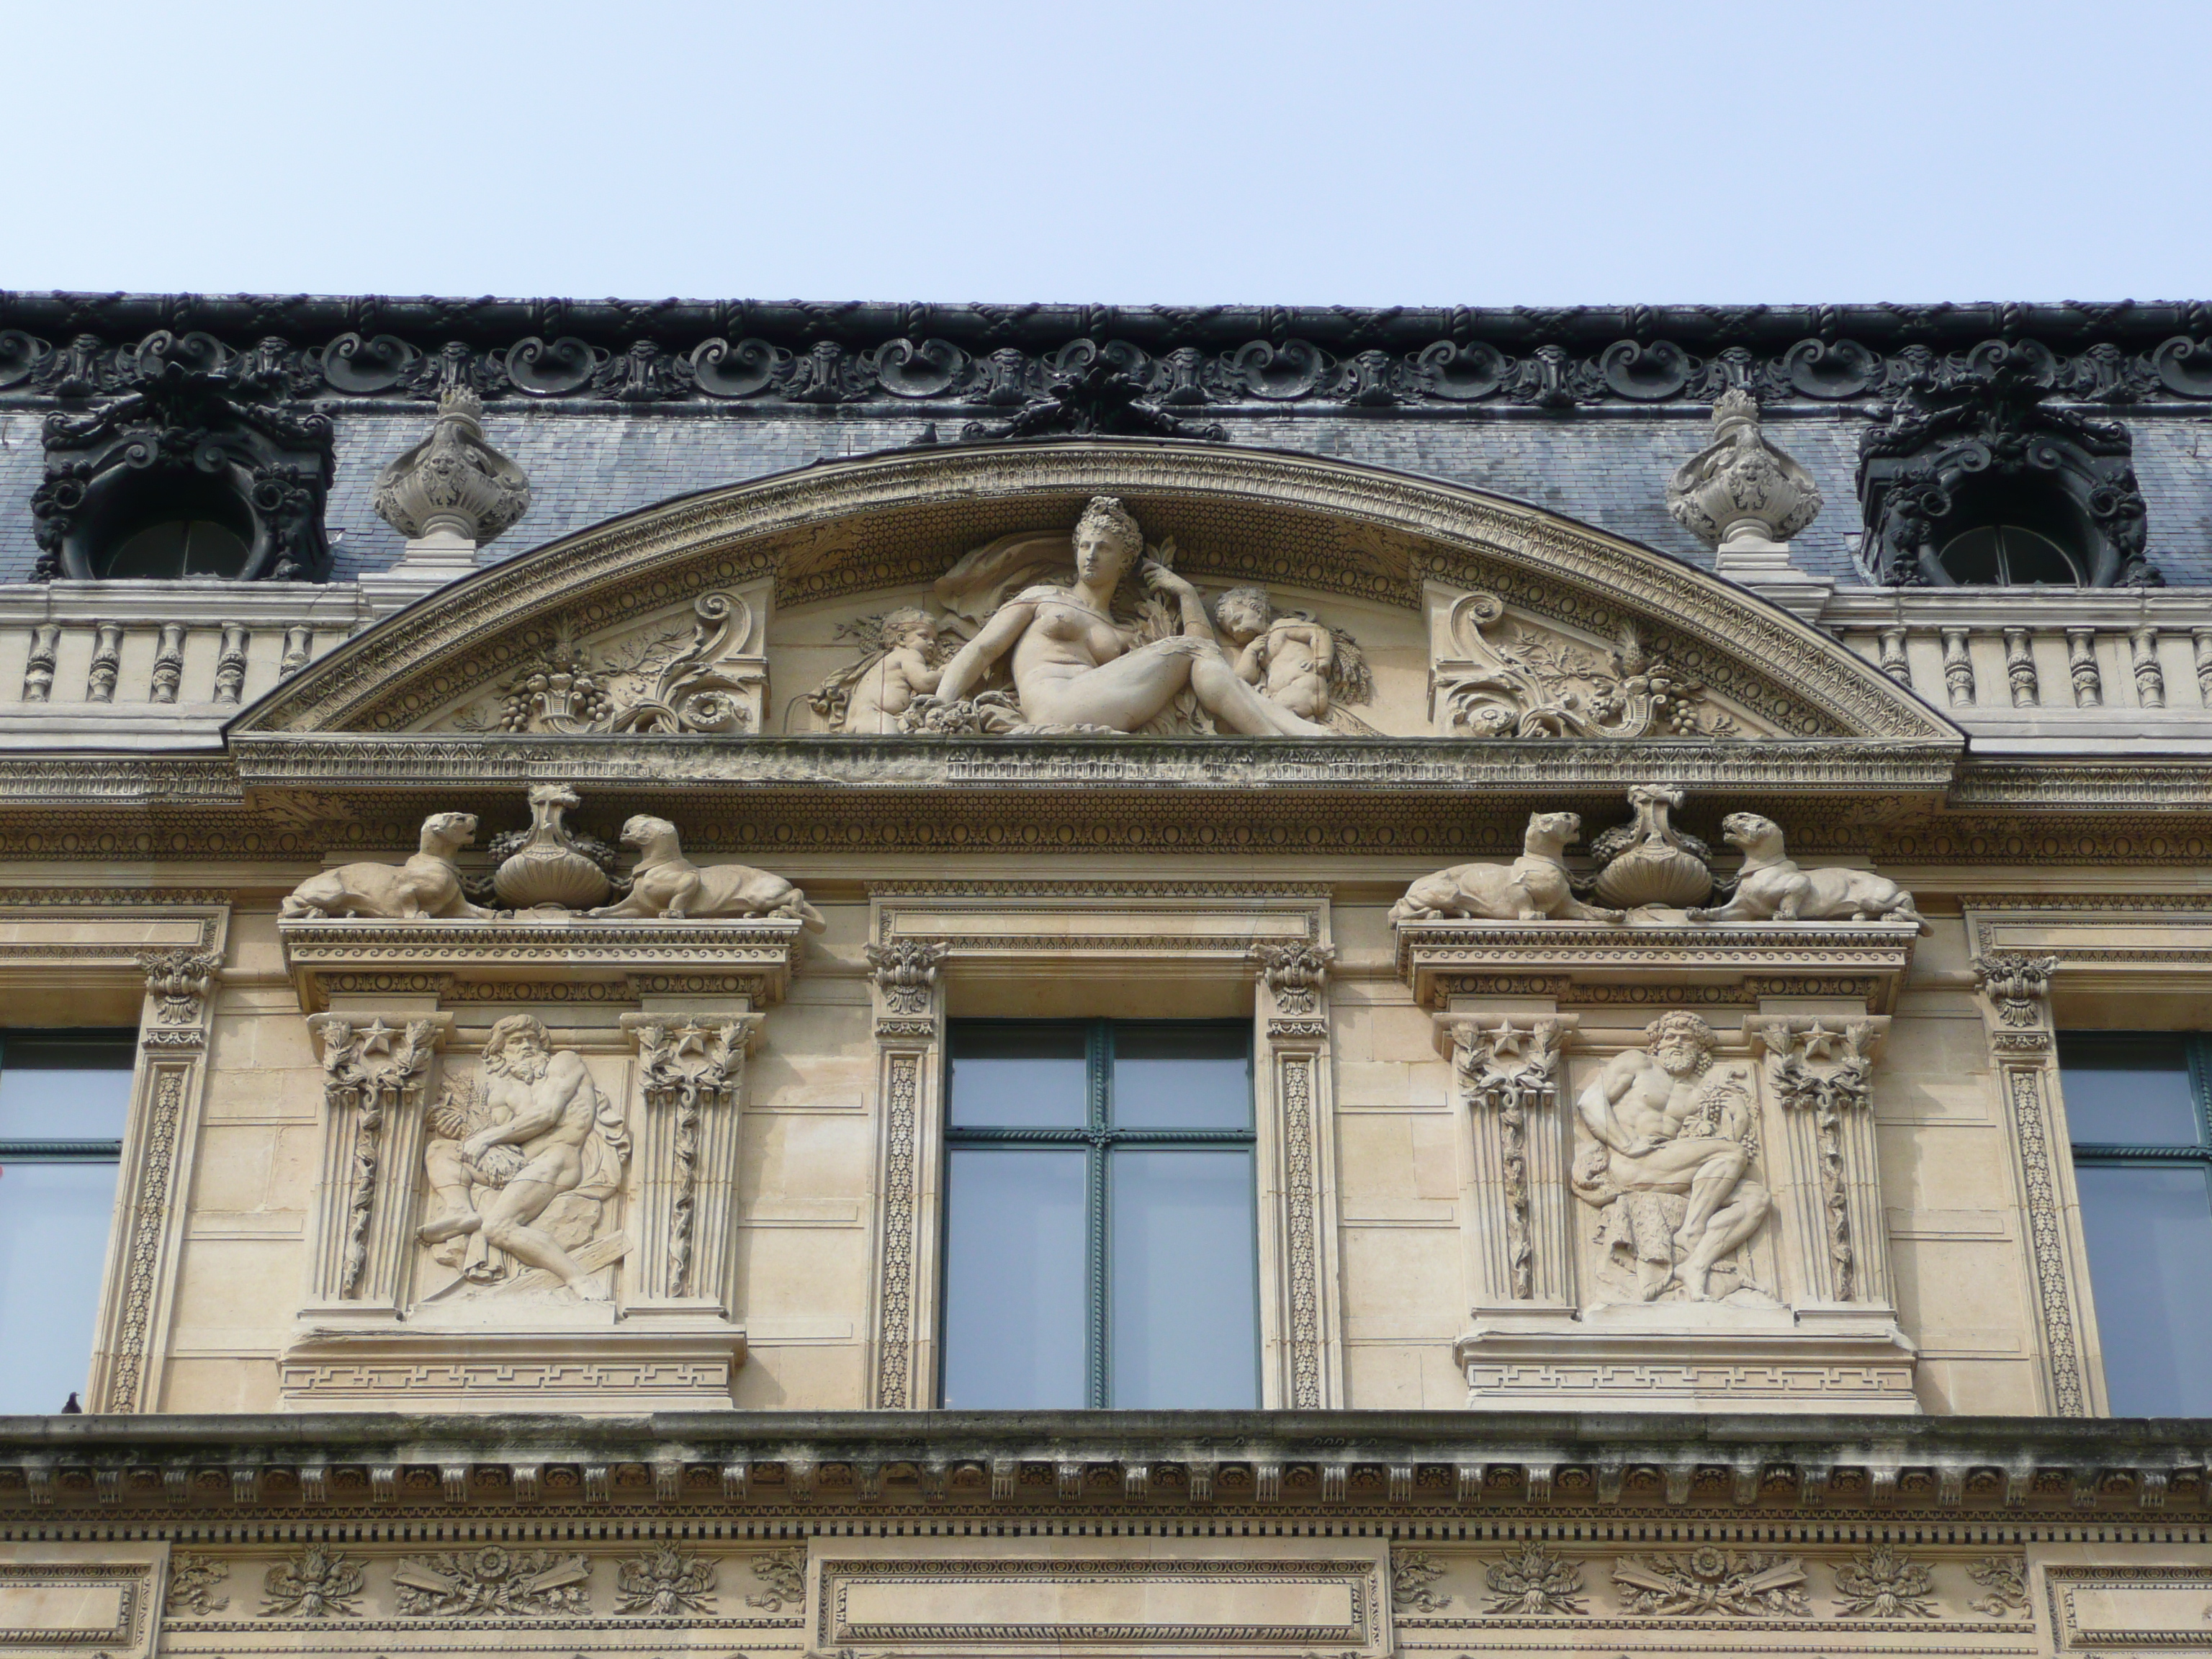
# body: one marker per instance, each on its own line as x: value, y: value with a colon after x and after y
x: 1014, y: 1306
x: 53, y: 1241
x: 2149, y: 1232
x: 2128, y: 1090
x: 1182, y: 1076
x: 1018, y: 1077
x: 1185, y: 1281
x: 64, y: 1088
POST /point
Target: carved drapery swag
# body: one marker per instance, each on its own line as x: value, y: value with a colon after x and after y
x: 693, y: 1076
x: 2016, y: 990
x: 1509, y: 1078
x: 375, y: 1076
x: 1821, y: 1073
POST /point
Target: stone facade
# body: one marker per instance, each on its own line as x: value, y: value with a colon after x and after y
x: 531, y: 1209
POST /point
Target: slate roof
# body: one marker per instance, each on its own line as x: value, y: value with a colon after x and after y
x: 607, y: 407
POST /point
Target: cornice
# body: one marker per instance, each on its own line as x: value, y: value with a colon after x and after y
x: 2012, y: 1470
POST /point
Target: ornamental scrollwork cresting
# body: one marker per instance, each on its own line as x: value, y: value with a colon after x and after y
x: 666, y: 1582
x: 371, y: 1074
x: 317, y: 1583
x: 492, y: 1582
x: 1826, y: 1067
x: 180, y: 982
x: 688, y: 1070
x: 1535, y: 1582
x: 1709, y: 1581
x: 1511, y: 1071
x: 906, y: 971
x: 1052, y: 367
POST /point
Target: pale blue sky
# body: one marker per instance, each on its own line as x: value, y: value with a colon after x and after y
x: 1127, y: 151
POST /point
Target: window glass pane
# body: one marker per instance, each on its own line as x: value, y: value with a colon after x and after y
x: 1018, y: 1077
x: 1182, y: 1076
x: 1014, y: 1302
x: 64, y: 1088
x: 1185, y: 1281
x: 2124, y: 1090
x: 2149, y: 1231
x: 53, y: 1244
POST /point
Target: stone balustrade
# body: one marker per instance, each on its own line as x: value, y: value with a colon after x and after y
x: 149, y: 665
x: 2043, y: 671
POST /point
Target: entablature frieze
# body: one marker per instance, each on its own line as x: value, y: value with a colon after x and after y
x: 555, y: 960
x: 1671, y: 966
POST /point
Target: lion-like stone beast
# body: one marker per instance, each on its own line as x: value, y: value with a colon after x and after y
x: 1773, y: 888
x: 667, y: 885
x: 428, y: 886
x: 1532, y: 888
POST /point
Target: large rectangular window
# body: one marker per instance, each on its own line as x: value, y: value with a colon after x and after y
x: 1099, y: 1240
x: 64, y: 1097
x: 2136, y: 1111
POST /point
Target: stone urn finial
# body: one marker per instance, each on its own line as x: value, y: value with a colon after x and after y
x: 1739, y: 491
x: 454, y: 484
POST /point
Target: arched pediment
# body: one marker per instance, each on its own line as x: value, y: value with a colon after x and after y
x: 801, y: 553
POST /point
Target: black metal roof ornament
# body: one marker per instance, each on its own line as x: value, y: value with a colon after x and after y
x: 1099, y: 399
x: 1971, y: 442
x: 197, y: 425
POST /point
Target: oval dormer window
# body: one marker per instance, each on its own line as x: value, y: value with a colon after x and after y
x: 2008, y: 555
x: 167, y: 528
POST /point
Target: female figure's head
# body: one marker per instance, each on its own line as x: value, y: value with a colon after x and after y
x: 1108, y: 542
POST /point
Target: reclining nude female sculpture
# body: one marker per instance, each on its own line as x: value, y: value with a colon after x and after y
x: 1074, y: 666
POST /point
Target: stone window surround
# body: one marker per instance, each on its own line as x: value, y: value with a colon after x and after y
x: 168, y: 950
x: 2045, y: 962
x: 992, y: 942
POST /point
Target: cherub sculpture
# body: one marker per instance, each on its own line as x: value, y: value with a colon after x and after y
x: 901, y: 658
x: 1298, y: 662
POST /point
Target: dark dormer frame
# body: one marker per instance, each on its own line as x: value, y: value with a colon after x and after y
x: 1971, y: 435
x: 193, y: 417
